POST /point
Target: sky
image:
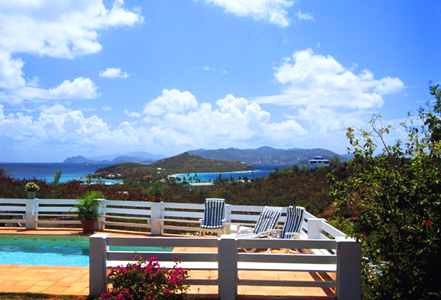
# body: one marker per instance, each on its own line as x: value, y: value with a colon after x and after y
x: 94, y: 77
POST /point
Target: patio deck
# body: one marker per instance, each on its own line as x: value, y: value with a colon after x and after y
x: 74, y: 281
x: 330, y: 269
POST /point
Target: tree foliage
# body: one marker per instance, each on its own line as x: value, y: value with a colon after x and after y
x: 392, y: 194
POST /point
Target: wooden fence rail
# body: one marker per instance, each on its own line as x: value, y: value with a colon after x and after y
x: 228, y: 260
x: 155, y: 218
x: 329, y: 248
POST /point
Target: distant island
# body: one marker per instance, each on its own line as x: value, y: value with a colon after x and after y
x: 263, y: 156
x: 267, y: 156
x: 182, y: 163
x: 136, y: 157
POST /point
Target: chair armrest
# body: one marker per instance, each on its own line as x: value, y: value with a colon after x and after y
x: 272, y: 233
x: 292, y: 235
x: 244, y: 230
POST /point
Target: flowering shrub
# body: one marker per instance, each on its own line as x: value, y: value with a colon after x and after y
x: 31, y: 187
x: 145, y: 280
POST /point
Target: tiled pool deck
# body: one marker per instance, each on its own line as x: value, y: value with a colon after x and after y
x: 75, y: 280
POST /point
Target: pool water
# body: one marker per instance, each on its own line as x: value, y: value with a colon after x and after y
x: 54, y: 250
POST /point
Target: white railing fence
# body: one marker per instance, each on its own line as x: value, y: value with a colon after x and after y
x: 147, y: 217
x: 228, y: 260
x: 329, y: 248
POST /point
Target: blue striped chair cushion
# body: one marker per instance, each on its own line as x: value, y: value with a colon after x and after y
x: 268, y: 219
x: 294, y: 219
x: 213, y: 213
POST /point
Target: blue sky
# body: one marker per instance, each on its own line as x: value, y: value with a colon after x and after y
x: 105, y: 77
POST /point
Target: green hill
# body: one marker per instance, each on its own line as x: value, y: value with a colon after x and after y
x: 266, y: 155
x: 181, y: 163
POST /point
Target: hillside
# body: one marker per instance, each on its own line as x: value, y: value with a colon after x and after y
x: 181, y: 163
x: 266, y: 155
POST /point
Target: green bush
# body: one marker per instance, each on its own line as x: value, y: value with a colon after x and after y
x: 88, y: 205
x: 31, y: 187
x: 392, y: 195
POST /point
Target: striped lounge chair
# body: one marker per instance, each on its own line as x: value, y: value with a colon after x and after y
x: 214, y: 212
x: 266, y: 223
x: 293, y: 223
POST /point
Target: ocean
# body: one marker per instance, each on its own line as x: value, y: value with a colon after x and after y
x: 46, y: 171
x: 212, y: 176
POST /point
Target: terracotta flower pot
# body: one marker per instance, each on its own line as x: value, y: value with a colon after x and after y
x: 89, y: 226
x: 31, y: 195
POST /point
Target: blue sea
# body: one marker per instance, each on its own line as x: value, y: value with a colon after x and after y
x: 46, y: 171
x: 213, y: 176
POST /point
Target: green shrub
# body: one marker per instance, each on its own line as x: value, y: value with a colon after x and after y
x: 31, y: 187
x: 88, y: 205
x: 392, y: 195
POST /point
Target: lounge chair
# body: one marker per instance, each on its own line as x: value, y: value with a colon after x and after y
x: 293, y: 222
x: 214, y: 212
x: 266, y: 223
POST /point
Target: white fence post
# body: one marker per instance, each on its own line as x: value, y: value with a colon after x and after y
x: 227, y: 268
x: 101, y: 214
x: 97, y: 264
x: 31, y: 214
x: 228, y: 210
x: 156, y: 218
x: 348, y: 270
x: 314, y: 228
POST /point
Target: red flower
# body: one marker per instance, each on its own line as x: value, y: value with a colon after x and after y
x: 428, y: 223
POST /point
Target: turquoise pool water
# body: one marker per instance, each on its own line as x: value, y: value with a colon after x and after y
x: 53, y: 250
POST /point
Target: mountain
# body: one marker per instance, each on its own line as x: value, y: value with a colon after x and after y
x: 181, y: 163
x: 129, y: 157
x: 266, y: 155
x: 137, y: 157
x: 79, y: 160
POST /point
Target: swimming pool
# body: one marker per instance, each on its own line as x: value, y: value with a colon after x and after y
x: 54, y: 250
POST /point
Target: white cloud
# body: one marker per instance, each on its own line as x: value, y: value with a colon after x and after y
x: 63, y: 28
x: 314, y: 79
x: 174, y: 121
x: 79, y: 88
x: 303, y: 16
x: 171, y: 101
x: 113, y: 73
x: 232, y: 120
x: 60, y: 29
x: 271, y: 11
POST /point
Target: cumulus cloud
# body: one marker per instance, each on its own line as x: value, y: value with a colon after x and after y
x: 79, y: 88
x: 310, y: 78
x: 113, y: 73
x: 271, y: 11
x: 326, y: 97
x: 173, y: 120
x: 232, y: 120
x: 60, y: 29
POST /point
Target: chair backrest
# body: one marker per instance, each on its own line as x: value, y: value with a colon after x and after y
x: 268, y: 219
x: 294, y: 220
x: 214, y: 212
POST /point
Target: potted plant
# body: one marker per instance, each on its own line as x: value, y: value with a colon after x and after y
x: 31, y: 189
x: 88, y: 211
